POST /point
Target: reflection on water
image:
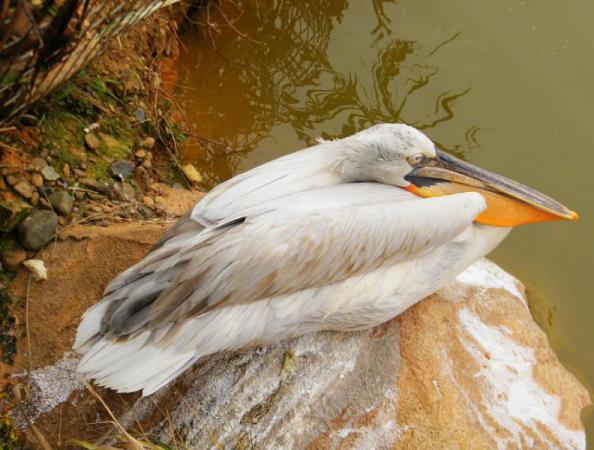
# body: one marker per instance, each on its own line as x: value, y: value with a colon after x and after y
x: 507, y: 85
x: 258, y: 67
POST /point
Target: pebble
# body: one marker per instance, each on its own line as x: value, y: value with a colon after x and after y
x: 11, y: 180
x: 66, y: 171
x: 91, y: 127
x: 80, y: 173
x: 37, y: 180
x: 38, y: 163
x: 140, y: 154
x: 37, y: 268
x: 122, y: 168
x: 160, y: 202
x: 92, y: 141
x: 79, y: 195
x: 95, y: 196
x: 62, y: 202
x: 46, y: 191
x: 147, y: 164
x: 49, y: 173
x: 142, y: 176
x: 12, y: 212
x: 192, y: 173
x: 123, y: 191
x: 37, y: 229
x: 95, y: 185
x: 96, y: 208
x: 140, y: 115
x: 24, y: 189
x: 12, y: 256
x: 146, y: 212
x: 148, y: 201
x: 147, y: 142
x: 34, y: 198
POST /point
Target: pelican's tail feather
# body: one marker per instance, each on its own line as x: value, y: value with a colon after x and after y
x: 132, y: 364
x: 89, y: 329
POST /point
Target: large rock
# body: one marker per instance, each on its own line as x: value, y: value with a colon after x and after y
x: 37, y: 229
x: 465, y: 368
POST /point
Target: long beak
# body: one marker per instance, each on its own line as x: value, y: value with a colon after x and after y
x: 509, y: 203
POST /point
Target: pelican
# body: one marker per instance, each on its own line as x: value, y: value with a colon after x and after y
x: 344, y: 235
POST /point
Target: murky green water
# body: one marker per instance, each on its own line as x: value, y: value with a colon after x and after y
x: 508, y: 85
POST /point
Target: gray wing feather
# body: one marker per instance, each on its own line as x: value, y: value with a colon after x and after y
x: 279, y: 252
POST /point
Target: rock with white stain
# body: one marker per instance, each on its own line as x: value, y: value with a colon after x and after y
x: 465, y: 368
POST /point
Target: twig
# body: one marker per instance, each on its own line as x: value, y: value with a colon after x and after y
x: 27, y: 329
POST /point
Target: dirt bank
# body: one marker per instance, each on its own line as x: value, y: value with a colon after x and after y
x: 101, y: 149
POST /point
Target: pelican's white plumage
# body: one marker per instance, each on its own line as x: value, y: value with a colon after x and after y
x: 324, y: 238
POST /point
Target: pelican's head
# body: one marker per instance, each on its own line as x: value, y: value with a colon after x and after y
x: 402, y: 156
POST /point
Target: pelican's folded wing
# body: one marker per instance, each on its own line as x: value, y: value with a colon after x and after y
x: 280, y: 252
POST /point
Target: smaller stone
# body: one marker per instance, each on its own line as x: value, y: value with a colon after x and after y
x: 37, y: 229
x: 91, y: 127
x: 148, y: 201
x: 46, y: 191
x: 34, y: 198
x: 122, y: 168
x: 177, y: 186
x: 142, y: 177
x: 12, y: 255
x: 149, y: 156
x: 38, y: 163
x: 11, y: 180
x: 147, y: 164
x: 12, y: 212
x: 37, y: 180
x: 140, y: 154
x: 147, y: 142
x: 37, y: 268
x: 123, y: 191
x: 192, y: 173
x: 66, y: 171
x: 92, y: 141
x: 24, y: 189
x: 96, y: 208
x: 49, y: 173
x: 160, y: 202
x: 62, y: 202
x: 146, y: 212
x: 95, y: 196
x: 79, y: 195
x: 95, y: 185
x: 140, y: 115
x: 80, y: 173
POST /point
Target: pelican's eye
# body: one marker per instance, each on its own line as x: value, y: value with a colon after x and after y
x: 415, y: 159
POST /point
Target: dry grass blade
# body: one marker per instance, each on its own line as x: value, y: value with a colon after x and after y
x: 133, y: 443
x: 40, y: 438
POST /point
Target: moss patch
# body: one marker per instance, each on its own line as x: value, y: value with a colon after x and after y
x: 8, y: 436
